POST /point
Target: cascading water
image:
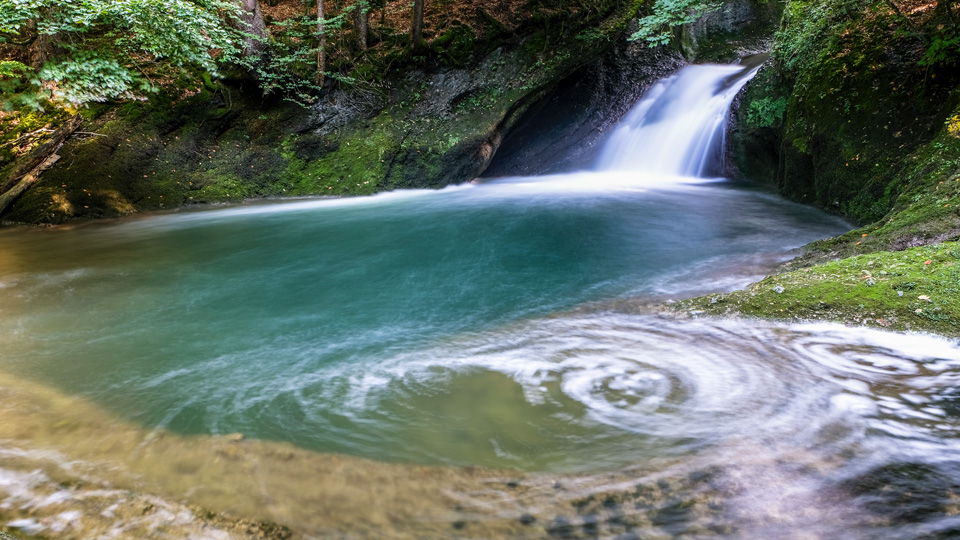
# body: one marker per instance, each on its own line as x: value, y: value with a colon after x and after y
x: 678, y: 127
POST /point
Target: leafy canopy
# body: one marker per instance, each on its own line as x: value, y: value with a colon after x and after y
x: 98, y: 50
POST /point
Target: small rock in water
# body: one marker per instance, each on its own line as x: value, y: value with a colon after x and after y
x: 527, y: 519
x: 27, y: 525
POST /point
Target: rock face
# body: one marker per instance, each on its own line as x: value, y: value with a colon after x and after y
x: 737, y: 26
x: 433, y: 125
x: 564, y: 130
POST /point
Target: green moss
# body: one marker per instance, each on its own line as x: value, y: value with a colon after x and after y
x: 353, y: 162
x: 455, y: 46
x: 219, y: 187
x: 925, y: 210
x: 849, y: 102
x: 16, y: 129
x: 915, y: 289
x: 877, y: 275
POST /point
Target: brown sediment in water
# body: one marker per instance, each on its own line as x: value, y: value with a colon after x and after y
x: 76, y: 447
x: 70, y: 470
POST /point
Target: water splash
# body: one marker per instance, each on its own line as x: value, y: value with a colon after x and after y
x: 678, y: 127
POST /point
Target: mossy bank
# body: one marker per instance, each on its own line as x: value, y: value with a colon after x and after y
x: 914, y: 289
x: 852, y: 114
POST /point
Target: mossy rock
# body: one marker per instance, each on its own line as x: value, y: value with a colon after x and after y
x: 914, y: 289
x: 456, y: 45
x: 854, y: 103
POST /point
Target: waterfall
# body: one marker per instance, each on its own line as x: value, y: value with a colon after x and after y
x: 678, y: 127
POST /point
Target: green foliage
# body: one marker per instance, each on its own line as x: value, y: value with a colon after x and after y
x: 944, y: 49
x: 858, y: 105
x: 90, y: 77
x: 106, y: 49
x: 592, y: 34
x: 655, y: 28
x: 12, y: 76
x: 290, y: 66
x: 766, y: 111
x: 12, y: 69
x: 953, y: 125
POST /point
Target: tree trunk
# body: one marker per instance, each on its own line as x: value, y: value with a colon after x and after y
x: 321, y: 47
x: 39, y: 51
x: 945, y: 10
x: 251, y: 22
x: 360, y: 23
x: 417, y: 33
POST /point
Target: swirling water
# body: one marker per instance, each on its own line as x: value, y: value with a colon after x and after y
x: 276, y: 320
x: 436, y: 331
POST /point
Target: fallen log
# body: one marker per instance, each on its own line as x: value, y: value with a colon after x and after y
x: 30, y: 162
x: 28, y: 180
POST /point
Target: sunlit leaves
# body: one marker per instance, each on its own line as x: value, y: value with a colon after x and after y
x: 15, y: 14
x: 102, y: 49
x: 87, y: 78
x: 667, y: 14
x: 10, y: 68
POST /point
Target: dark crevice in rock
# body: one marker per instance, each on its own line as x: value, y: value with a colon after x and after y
x: 563, y: 130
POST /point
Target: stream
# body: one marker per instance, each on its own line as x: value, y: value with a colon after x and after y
x: 468, y: 362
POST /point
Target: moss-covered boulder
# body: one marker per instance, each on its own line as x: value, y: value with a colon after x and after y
x: 846, y: 98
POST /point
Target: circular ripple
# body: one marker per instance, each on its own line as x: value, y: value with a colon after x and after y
x: 559, y: 392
